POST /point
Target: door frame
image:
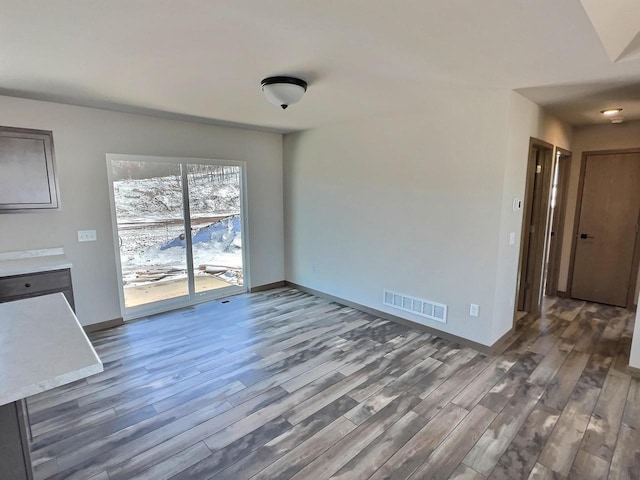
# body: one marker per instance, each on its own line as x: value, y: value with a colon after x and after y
x: 576, y: 225
x: 192, y: 298
x: 532, y: 306
x: 557, y: 227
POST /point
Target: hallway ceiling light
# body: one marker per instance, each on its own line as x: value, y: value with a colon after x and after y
x: 611, y: 111
x: 283, y: 91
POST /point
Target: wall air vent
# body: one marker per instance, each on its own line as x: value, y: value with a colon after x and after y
x: 424, y: 308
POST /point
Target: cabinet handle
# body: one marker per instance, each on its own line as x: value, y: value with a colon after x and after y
x: 27, y: 285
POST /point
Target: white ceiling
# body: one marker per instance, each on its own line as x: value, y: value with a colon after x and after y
x: 205, y: 58
x: 617, y: 23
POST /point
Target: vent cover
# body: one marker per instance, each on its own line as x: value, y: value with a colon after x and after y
x: 424, y: 308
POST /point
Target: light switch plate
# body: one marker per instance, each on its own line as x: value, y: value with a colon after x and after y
x: 87, y: 235
x: 517, y: 204
x: 474, y: 311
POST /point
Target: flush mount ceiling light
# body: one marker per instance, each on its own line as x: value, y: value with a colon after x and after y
x: 611, y: 111
x: 283, y: 91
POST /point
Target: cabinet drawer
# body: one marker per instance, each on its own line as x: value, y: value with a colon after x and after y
x: 32, y: 284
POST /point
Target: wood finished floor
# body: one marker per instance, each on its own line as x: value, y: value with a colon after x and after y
x: 283, y: 384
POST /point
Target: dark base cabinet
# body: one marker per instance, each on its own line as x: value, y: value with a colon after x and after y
x: 17, y: 287
x: 15, y: 460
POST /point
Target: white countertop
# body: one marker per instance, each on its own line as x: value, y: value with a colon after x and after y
x: 42, y: 346
x: 32, y: 261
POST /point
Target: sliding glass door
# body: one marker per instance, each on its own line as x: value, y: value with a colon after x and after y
x: 216, y: 225
x: 155, y: 202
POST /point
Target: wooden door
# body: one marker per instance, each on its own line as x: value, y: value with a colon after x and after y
x: 606, y: 237
x: 535, y: 217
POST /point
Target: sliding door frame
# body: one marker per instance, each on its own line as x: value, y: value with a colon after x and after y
x: 192, y: 298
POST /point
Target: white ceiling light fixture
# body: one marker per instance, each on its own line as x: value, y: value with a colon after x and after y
x: 610, y: 111
x: 283, y: 91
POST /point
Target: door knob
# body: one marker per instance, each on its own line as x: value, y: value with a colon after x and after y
x: 584, y: 235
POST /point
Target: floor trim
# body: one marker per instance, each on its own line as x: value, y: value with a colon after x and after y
x: 497, y: 347
x: 502, y: 343
x: 559, y: 294
x: 633, y: 371
x: 267, y: 286
x: 94, y: 327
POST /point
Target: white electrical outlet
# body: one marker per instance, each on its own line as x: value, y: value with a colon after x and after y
x: 512, y: 238
x: 87, y: 236
x: 474, y: 311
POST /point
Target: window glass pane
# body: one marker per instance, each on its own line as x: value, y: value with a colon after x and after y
x: 216, y: 226
x: 151, y: 231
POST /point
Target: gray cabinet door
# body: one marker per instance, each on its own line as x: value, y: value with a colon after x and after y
x: 17, y: 287
x: 27, y: 170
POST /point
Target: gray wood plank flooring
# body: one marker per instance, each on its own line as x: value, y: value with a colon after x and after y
x: 282, y: 384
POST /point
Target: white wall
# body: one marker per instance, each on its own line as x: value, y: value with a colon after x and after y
x: 408, y: 202
x: 594, y: 137
x: 525, y: 120
x: 82, y: 137
x: 416, y: 203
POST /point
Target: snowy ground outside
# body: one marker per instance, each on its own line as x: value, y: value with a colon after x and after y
x: 151, y: 228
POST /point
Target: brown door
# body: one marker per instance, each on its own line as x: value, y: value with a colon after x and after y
x: 535, y: 217
x: 607, y: 228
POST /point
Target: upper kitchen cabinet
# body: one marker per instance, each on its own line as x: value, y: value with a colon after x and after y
x: 27, y: 170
